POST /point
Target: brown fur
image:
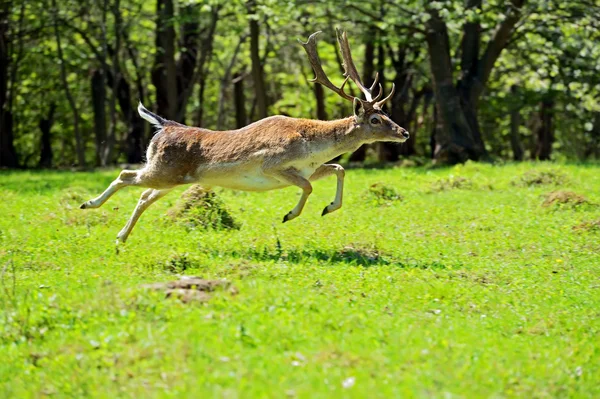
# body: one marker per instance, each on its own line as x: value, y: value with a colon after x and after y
x: 179, y: 153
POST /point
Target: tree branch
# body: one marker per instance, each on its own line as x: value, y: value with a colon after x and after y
x: 497, y: 43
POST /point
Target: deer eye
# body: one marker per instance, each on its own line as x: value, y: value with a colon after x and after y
x: 375, y: 120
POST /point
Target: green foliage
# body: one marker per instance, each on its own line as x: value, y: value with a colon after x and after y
x: 553, y: 52
x: 382, y: 194
x: 366, y: 302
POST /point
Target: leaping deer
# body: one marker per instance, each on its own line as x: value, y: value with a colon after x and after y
x: 273, y: 153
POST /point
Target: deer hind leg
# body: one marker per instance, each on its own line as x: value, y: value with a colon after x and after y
x: 148, y: 197
x: 327, y: 170
x: 126, y: 178
x: 292, y: 177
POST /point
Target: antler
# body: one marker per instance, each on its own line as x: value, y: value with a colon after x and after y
x: 379, y: 104
x: 350, y: 68
x: 320, y: 77
x: 350, y: 72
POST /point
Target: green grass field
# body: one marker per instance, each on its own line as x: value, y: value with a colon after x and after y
x: 451, y: 282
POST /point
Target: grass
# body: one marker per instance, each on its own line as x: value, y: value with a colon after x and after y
x: 456, y: 290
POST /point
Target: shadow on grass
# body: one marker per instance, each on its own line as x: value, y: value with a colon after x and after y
x: 349, y: 255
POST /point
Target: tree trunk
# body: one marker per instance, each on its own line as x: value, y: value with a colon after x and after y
x: 8, y: 153
x: 225, y: 81
x: 593, y: 150
x: 458, y: 136
x: 134, y: 139
x: 99, y: 106
x: 192, y: 68
x: 107, y: 155
x: 240, y: 100
x: 46, y: 139
x: 453, y: 137
x: 436, y: 125
x: 63, y: 75
x: 545, y: 131
x: 515, y: 139
x: 201, y: 90
x: 320, y: 99
x: 407, y: 149
x: 144, y: 138
x: 515, y: 124
x: 387, y: 152
x: 402, y: 81
x: 164, y: 73
x: 188, y: 56
x: 369, y: 63
x: 257, y: 69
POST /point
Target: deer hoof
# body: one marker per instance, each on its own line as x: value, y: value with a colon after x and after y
x: 288, y: 217
x: 83, y: 206
x: 326, y: 210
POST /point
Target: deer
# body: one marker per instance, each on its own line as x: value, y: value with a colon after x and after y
x: 272, y: 153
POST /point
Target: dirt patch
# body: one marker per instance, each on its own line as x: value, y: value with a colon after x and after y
x: 540, y: 178
x: 592, y: 225
x: 200, y: 209
x: 565, y: 198
x: 451, y: 183
x: 192, y: 288
x: 382, y: 195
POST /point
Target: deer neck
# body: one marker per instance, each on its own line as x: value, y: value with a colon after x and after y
x: 334, y: 138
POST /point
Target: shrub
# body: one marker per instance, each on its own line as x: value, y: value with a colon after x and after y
x: 201, y: 209
x: 382, y: 195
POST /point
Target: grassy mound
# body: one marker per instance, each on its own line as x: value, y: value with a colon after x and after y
x: 191, y: 288
x: 565, y: 198
x: 451, y: 183
x: 382, y: 195
x: 592, y: 225
x: 200, y: 209
x: 540, y: 178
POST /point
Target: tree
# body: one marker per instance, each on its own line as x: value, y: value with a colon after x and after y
x: 8, y: 154
x: 257, y: 68
x: 79, y: 145
x: 458, y: 136
x: 46, y: 153
x: 453, y: 63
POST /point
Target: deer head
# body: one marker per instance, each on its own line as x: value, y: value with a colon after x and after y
x: 370, y: 120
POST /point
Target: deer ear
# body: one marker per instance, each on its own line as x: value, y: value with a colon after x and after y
x: 359, y: 110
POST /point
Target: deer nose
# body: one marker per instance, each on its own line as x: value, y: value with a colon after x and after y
x: 405, y: 134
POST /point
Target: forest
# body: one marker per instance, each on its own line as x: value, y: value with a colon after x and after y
x: 476, y: 80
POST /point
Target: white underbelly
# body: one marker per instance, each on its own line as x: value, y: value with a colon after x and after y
x: 248, y: 178
x: 245, y: 183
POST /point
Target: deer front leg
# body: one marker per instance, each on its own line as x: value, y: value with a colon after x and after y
x: 148, y: 197
x: 327, y: 170
x: 292, y: 177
